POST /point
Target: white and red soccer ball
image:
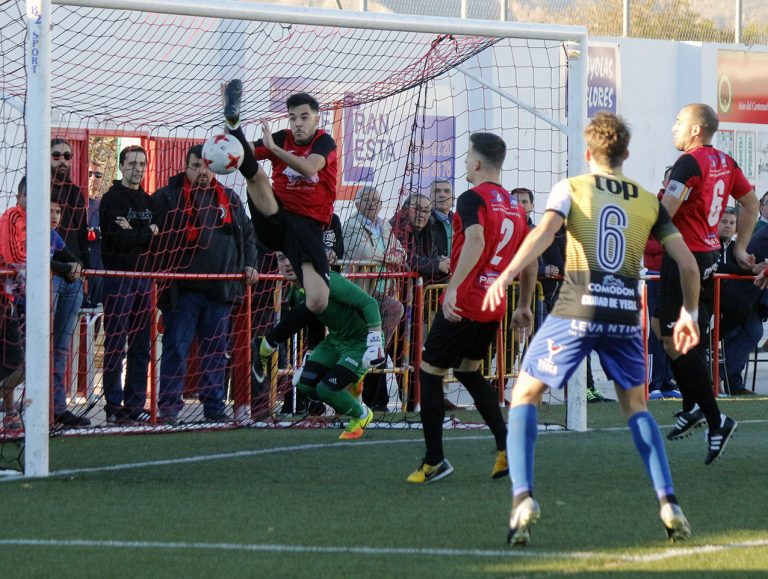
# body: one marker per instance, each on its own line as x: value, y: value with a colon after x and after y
x: 223, y: 154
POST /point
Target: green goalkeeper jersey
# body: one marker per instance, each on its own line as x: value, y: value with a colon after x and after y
x: 351, y: 312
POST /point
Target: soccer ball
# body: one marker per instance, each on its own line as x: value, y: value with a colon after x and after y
x: 223, y: 154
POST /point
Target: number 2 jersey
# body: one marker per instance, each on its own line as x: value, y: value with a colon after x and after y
x: 702, y: 179
x: 504, y: 228
x: 608, y: 219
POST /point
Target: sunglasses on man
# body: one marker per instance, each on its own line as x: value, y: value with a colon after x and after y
x: 58, y: 155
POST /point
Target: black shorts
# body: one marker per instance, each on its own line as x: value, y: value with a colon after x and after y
x: 300, y: 238
x: 448, y: 343
x: 11, y: 347
x: 671, y: 292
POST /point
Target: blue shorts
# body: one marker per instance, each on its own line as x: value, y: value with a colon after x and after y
x: 561, y: 344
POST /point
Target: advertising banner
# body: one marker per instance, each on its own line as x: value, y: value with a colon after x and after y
x: 602, y: 79
x: 742, y: 87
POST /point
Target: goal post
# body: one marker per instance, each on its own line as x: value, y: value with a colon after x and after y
x: 38, y: 327
x: 167, y: 88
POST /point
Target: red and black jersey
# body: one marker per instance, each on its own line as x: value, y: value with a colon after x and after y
x: 504, y: 228
x: 702, y: 179
x: 296, y: 193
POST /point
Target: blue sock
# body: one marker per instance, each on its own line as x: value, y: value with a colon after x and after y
x: 650, y: 445
x: 521, y: 443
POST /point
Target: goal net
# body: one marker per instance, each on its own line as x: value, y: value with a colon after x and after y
x: 154, y: 335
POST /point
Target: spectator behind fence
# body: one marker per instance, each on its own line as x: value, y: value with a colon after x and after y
x: 442, y: 214
x: 13, y: 253
x: 64, y: 267
x: 762, y: 220
x: 741, y: 311
x: 333, y: 240
x: 415, y: 228
x: 13, y: 230
x: 68, y: 291
x: 95, y: 191
x: 204, y: 231
x: 128, y: 225
x: 368, y: 238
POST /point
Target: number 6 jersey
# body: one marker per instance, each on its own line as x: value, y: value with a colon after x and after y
x: 504, y: 228
x: 703, y: 178
x: 609, y: 218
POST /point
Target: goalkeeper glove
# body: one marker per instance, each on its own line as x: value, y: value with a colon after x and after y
x: 265, y: 357
x: 374, y: 354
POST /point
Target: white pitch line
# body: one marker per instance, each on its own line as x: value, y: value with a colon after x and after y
x: 240, y: 454
x: 669, y: 553
x: 282, y: 449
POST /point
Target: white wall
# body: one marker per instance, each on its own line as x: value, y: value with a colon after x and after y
x: 658, y: 77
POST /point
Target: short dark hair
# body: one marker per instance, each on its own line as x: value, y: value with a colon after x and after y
x: 130, y: 149
x: 523, y: 191
x: 22, y: 185
x: 302, y: 98
x: 196, y: 150
x: 440, y: 181
x: 59, y: 141
x: 490, y: 147
x: 731, y: 211
x: 764, y: 198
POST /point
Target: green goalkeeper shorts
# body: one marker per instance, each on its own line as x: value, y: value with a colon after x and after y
x: 349, y: 354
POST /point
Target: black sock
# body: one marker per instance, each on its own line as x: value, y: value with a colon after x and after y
x: 487, y: 404
x: 291, y: 323
x: 250, y: 166
x: 590, y: 377
x: 432, y: 415
x: 692, y: 376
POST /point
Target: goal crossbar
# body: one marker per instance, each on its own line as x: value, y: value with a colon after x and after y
x: 231, y: 9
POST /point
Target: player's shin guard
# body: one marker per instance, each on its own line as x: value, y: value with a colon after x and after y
x: 692, y: 376
x: 341, y: 401
x: 250, y: 166
x: 432, y: 414
x: 521, y: 446
x: 487, y: 404
x: 650, y: 445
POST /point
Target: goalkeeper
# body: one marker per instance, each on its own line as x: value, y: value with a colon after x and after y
x: 353, y: 345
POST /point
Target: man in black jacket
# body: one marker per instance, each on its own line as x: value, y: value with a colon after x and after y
x: 128, y: 224
x: 741, y: 313
x: 204, y: 231
x: 67, y: 293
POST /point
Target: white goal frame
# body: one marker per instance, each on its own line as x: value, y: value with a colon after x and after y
x: 38, y: 125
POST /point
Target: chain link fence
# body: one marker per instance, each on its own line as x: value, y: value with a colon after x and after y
x: 691, y: 20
